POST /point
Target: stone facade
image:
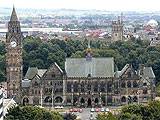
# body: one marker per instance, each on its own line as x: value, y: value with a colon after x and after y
x: 117, y: 30
x: 86, y: 82
x: 125, y: 87
x: 14, y: 56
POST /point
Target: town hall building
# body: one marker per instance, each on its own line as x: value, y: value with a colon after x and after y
x: 85, y: 82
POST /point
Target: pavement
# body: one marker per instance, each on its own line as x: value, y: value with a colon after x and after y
x: 85, y: 115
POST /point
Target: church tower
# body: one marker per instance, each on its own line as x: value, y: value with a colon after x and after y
x: 14, y: 57
x: 117, y: 29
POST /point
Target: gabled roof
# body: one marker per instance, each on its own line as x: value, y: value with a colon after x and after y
x: 58, y: 67
x: 41, y: 72
x: 148, y: 72
x: 123, y: 70
x: 33, y: 71
x: 14, y: 15
x: 96, y: 67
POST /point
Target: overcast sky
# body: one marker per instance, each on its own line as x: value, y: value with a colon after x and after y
x: 110, y: 5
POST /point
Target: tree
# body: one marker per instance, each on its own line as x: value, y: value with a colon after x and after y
x: 31, y: 113
x: 106, y: 116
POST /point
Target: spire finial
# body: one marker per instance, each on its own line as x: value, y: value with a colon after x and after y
x: 13, y: 15
x: 89, y: 42
x: 89, y: 52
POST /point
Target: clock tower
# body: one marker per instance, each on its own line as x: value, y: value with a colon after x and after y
x: 14, y: 57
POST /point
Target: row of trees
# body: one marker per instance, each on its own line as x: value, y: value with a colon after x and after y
x: 36, y: 113
x: 135, y: 112
x: 43, y: 54
x: 31, y: 113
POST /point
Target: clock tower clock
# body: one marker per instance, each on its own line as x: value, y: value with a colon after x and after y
x: 14, y: 57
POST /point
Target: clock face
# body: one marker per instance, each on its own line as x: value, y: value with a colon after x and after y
x: 13, y: 44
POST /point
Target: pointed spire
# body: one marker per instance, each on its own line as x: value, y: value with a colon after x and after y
x: 13, y: 15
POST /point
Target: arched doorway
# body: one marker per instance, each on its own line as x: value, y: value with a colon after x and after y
x: 129, y: 99
x: 82, y: 102
x: 58, y: 99
x: 135, y: 99
x: 96, y: 101
x: 89, y: 102
x: 123, y: 99
x: 48, y: 99
x: 25, y: 101
x: 36, y: 101
x: 75, y: 101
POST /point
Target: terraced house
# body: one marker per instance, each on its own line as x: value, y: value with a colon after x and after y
x: 86, y: 82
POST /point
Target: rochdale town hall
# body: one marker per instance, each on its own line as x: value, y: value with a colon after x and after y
x: 85, y: 82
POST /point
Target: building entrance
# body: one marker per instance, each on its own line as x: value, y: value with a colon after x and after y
x: 89, y: 102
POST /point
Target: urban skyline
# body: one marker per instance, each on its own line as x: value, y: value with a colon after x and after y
x: 114, y: 5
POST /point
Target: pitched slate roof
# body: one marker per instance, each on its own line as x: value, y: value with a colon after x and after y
x: 41, y: 72
x: 148, y: 72
x: 96, y: 67
x: 32, y: 71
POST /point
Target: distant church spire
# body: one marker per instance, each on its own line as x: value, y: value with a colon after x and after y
x: 14, y: 15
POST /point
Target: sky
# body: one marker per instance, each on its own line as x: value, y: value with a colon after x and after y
x: 109, y: 5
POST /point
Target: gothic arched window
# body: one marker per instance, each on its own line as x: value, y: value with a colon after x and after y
x: 75, y: 87
x: 69, y: 87
x: 123, y: 84
x: 129, y: 84
x: 135, y: 84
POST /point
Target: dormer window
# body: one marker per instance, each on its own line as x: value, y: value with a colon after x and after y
x: 89, y: 75
x: 36, y: 84
x: 145, y: 84
x: 53, y: 75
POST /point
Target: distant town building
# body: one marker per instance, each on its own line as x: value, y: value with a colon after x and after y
x: 117, y: 29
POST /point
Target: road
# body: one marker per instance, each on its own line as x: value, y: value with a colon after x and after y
x: 85, y: 115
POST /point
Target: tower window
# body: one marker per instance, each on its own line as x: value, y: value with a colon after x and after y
x: 89, y: 75
x: 17, y: 30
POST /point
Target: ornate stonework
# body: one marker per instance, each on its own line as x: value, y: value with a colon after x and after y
x: 117, y: 30
x: 14, y: 56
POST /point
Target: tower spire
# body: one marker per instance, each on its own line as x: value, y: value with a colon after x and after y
x: 14, y: 15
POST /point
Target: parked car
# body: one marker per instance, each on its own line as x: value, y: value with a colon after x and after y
x: 91, y: 116
x: 107, y: 110
x: 102, y: 109
x: 70, y: 110
x: 97, y: 109
x: 58, y: 107
x: 75, y: 110
x: 92, y: 110
x: 80, y: 110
